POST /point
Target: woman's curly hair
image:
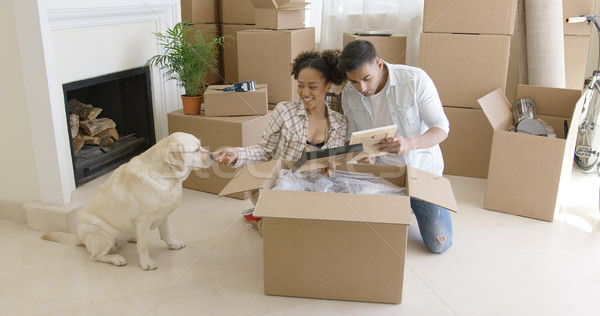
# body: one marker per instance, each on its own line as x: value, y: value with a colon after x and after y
x: 325, y: 62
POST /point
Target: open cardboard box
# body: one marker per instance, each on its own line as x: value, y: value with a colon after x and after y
x: 279, y: 14
x: 230, y: 103
x: 527, y: 173
x: 337, y: 245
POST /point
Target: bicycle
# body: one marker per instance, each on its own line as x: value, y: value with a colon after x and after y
x: 587, y: 150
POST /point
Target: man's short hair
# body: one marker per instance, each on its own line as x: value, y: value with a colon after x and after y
x: 356, y: 54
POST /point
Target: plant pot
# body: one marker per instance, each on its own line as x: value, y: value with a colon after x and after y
x: 191, y: 105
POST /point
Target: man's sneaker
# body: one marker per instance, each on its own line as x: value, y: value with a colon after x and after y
x: 248, y: 215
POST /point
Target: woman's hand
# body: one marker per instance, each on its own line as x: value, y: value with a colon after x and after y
x: 329, y: 170
x: 226, y: 156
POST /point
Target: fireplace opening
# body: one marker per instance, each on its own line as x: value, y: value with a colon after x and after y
x: 110, y: 121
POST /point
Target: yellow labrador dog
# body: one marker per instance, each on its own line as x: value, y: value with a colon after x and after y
x: 137, y: 198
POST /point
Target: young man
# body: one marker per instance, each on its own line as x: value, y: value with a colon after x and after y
x: 381, y: 94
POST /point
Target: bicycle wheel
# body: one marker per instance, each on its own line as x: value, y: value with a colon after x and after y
x: 589, y: 137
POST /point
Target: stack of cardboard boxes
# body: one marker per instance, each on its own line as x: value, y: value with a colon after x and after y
x: 236, y: 15
x: 465, y: 48
x: 229, y: 119
x: 205, y: 14
x: 265, y: 54
x: 577, y: 41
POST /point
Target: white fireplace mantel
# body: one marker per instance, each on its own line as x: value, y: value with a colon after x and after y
x: 36, y: 21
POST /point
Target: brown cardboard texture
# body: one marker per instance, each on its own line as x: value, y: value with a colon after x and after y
x: 200, y: 11
x: 390, y: 48
x: 230, y: 103
x: 575, y: 8
x: 470, y: 16
x: 266, y: 56
x: 279, y: 14
x: 467, y: 149
x: 465, y: 67
x: 237, y: 12
x: 215, y: 133
x: 528, y: 174
x: 337, y: 245
x: 576, y: 56
x: 230, y: 57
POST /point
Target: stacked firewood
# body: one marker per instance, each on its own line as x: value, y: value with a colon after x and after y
x: 86, y: 128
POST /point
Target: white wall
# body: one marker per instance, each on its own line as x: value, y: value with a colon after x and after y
x: 17, y: 166
x: 82, y: 53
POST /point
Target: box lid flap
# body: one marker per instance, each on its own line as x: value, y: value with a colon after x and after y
x: 391, y: 209
x: 251, y: 177
x: 293, y: 5
x: 430, y: 188
x: 497, y: 109
x: 278, y: 4
x: 550, y: 101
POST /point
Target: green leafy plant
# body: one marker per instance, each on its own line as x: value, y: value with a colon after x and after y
x: 189, y: 53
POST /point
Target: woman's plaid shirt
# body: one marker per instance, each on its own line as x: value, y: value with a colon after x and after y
x: 286, y: 134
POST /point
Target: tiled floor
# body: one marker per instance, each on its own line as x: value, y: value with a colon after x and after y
x: 499, y: 265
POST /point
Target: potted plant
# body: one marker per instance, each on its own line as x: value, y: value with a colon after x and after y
x: 189, y: 53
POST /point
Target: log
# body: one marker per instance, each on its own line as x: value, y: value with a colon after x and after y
x: 96, y: 139
x: 74, y: 124
x: 78, y: 142
x: 85, y: 111
x: 95, y: 126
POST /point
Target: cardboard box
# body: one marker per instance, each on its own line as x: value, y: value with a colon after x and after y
x: 528, y: 174
x: 215, y: 133
x: 576, y: 57
x: 575, y: 8
x: 266, y: 56
x: 230, y: 103
x: 336, y: 245
x: 465, y: 67
x: 391, y: 48
x: 470, y: 16
x: 200, y: 11
x: 237, y: 12
x: 279, y: 14
x: 467, y: 149
x: 230, y: 59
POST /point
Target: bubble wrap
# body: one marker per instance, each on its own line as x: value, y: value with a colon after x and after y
x: 340, y: 182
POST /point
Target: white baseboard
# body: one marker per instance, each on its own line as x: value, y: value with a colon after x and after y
x: 12, y: 211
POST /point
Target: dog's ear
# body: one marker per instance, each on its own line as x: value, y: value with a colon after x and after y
x: 174, y: 157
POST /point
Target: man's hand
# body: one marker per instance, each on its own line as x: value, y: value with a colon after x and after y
x: 396, y: 145
x: 226, y: 156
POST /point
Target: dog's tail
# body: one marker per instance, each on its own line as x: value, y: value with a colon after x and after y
x: 63, y: 238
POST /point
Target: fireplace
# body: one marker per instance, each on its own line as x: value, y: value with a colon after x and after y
x: 65, y: 41
x: 124, y: 99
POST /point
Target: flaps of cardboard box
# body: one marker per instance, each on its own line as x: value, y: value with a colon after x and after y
x: 279, y: 5
x: 250, y: 177
x: 556, y: 102
x: 497, y: 109
x: 430, y: 188
x: 321, y: 158
x: 389, y: 209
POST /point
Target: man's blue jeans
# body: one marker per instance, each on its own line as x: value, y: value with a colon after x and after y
x: 435, y: 225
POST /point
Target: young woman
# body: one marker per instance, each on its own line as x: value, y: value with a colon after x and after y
x: 297, y: 126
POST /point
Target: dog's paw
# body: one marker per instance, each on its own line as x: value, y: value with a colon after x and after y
x: 148, y: 265
x: 175, y: 245
x: 118, y: 260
